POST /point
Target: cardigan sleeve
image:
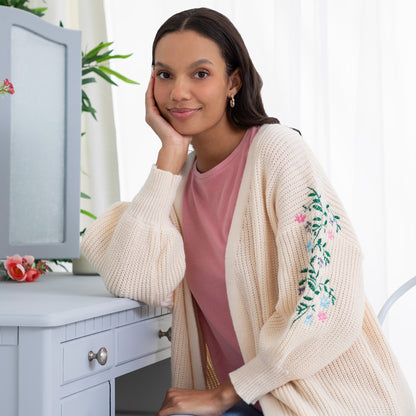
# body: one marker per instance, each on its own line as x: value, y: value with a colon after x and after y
x: 135, y: 246
x: 320, y: 308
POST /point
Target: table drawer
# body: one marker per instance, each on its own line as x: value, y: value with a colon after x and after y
x: 142, y: 338
x: 78, y: 355
x: 94, y: 401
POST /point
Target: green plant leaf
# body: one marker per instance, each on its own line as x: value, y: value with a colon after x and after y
x: 104, y: 58
x: 90, y: 110
x: 103, y: 75
x: 87, y: 61
x: 88, y: 80
x: 116, y: 74
x: 85, y: 196
x: 97, y: 49
x: 88, y: 214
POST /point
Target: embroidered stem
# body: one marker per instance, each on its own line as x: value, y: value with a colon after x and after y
x: 312, y: 286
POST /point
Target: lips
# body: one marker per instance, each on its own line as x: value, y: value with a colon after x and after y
x: 182, y: 112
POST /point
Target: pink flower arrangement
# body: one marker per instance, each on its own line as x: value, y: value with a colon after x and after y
x: 24, y: 269
x: 6, y: 87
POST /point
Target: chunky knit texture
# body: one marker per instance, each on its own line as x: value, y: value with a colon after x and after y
x: 310, y: 341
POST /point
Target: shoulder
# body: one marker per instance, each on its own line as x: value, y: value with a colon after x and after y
x: 278, y: 147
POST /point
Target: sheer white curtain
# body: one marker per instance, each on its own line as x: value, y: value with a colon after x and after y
x: 99, y: 151
x: 341, y: 72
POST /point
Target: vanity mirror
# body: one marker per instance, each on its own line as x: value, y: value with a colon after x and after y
x: 40, y: 133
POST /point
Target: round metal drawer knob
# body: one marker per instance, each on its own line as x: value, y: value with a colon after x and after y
x: 101, y: 356
x: 167, y: 334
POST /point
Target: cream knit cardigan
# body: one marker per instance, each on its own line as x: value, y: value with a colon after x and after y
x: 310, y: 342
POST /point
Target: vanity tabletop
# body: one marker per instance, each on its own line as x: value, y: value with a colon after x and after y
x: 57, y: 299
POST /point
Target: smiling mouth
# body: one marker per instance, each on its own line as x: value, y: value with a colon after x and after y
x: 182, y: 112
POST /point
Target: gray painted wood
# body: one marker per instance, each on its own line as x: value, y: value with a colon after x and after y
x: 67, y: 246
x: 47, y: 328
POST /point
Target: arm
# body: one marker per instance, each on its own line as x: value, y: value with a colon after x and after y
x: 136, y: 247
x: 320, y: 302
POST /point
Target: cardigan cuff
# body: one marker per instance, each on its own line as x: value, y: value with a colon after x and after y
x: 154, y: 201
x: 257, y: 378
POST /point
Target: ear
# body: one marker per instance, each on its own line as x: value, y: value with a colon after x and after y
x: 234, y: 82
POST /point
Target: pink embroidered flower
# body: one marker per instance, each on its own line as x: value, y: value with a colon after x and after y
x: 300, y: 218
x: 330, y: 235
x: 322, y: 317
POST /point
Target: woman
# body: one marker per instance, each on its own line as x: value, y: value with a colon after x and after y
x: 248, y: 243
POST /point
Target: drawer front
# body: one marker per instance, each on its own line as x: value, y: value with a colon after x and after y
x: 94, y: 401
x: 77, y: 362
x: 142, y: 338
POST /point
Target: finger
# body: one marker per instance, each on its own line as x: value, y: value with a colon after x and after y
x: 149, y: 97
x: 150, y: 87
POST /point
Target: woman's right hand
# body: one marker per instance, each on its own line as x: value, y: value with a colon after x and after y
x: 174, y: 150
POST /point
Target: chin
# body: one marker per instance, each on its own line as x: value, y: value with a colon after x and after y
x: 185, y: 130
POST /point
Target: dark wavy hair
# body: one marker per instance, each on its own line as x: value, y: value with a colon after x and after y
x: 249, y: 110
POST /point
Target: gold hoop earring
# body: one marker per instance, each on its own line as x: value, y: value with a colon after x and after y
x: 232, y: 101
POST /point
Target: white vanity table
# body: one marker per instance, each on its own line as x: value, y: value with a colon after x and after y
x: 54, y: 332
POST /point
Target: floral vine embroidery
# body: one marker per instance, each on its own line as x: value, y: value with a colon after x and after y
x: 313, y: 287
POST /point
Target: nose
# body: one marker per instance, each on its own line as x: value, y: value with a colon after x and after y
x: 180, y: 90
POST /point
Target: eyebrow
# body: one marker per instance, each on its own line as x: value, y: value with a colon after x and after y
x: 193, y: 65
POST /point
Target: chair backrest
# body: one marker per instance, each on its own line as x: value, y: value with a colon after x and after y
x: 394, y: 297
x: 40, y: 132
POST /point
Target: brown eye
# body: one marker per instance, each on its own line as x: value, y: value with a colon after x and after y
x: 201, y: 75
x: 163, y: 75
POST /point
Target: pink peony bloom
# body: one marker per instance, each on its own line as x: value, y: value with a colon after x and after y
x: 32, y: 275
x: 27, y: 261
x: 15, y: 268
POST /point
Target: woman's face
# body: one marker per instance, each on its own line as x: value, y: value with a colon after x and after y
x: 191, y: 84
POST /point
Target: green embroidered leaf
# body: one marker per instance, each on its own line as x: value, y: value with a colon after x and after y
x: 323, y: 215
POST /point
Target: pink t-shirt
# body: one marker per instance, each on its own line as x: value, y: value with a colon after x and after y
x: 208, y: 206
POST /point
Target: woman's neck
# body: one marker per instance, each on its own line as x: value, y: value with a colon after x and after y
x: 213, y: 147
